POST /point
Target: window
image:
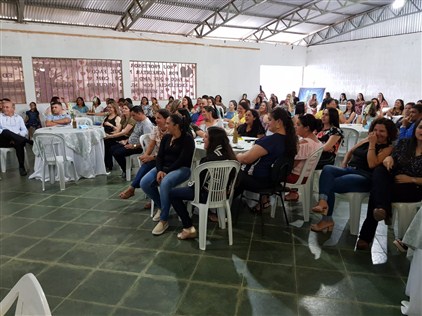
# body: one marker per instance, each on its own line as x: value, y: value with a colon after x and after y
x: 11, y: 79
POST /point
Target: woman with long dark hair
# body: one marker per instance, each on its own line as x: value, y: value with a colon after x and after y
x: 252, y: 126
x: 355, y: 173
x: 331, y: 136
x: 398, y: 179
x: 217, y: 146
x: 173, y: 163
x: 257, y: 162
x: 350, y: 113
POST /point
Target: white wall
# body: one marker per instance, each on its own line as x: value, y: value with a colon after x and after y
x: 229, y: 69
x: 391, y: 65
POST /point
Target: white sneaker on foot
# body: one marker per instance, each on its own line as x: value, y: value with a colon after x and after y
x: 156, y: 217
x: 160, y: 228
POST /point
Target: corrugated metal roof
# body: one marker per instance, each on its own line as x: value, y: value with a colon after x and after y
x: 251, y: 20
x: 8, y: 11
x: 167, y: 11
x: 157, y: 26
x: 51, y: 15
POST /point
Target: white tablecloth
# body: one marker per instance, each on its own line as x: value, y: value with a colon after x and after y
x: 363, y: 132
x: 84, y: 146
x: 413, y: 238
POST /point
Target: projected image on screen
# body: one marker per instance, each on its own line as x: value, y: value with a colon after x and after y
x: 306, y: 93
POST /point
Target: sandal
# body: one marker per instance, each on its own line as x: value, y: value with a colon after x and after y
x: 213, y: 217
x: 129, y: 192
x: 292, y: 196
x: 187, y: 233
x: 257, y: 208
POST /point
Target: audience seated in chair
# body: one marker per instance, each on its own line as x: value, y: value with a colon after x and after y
x: 148, y: 157
x: 306, y: 125
x: 257, y: 162
x: 408, y: 123
x: 58, y: 116
x: 331, y: 136
x: 112, y: 122
x: 252, y: 126
x: 399, y: 179
x: 356, y: 171
x: 218, y: 147
x: 173, y: 165
x: 13, y: 133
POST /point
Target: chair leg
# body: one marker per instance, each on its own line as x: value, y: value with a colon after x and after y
x: 229, y: 223
x: 62, y: 176
x: 221, y: 212
x: 274, y: 202
x: 284, y: 208
x: 261, y: 213
x: 152, y: 208
x: 43, y: 177
x: 203, y: 219
x: 3, y: 159
x: 128, y: 168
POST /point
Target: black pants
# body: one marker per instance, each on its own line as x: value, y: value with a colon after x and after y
x: 120, y: 153
x: 246, y: 182
x: 9, y: 139
x: 385, y: 191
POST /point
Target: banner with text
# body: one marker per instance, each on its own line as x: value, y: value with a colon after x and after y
x: 162, y: 79
x: 71, y: 78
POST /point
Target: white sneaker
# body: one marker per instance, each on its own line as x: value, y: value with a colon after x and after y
x: 156, y: 217
x: 160, y: 228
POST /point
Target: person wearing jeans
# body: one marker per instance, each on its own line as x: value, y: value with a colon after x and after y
x: 356, y: 171
x: 173, y: 164
x: 218, y: 148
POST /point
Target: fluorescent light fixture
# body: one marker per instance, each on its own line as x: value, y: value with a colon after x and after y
x: 397, y: 4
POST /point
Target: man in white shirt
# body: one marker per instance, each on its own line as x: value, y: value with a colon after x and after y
x: 13, y: 133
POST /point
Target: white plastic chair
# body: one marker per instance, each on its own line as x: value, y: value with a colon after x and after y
x: 351, y: 137
x: 144, y: 143
x: 82, y: 120
x: 403, y: 213
x: 219, y: 195
x: 3, y: 157
x: 30, y: 296
x: 304, y: 190
x: 52, y: 149
x: 355, y: 200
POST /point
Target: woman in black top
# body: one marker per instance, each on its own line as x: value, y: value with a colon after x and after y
x: 252, y: 126
x: 355, y: 173
x: 399, y: 179
x: 173, y: 164
x: 218, y: 147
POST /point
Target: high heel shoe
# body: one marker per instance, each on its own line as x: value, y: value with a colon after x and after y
x: 320, y: 209
x: 323, y: 226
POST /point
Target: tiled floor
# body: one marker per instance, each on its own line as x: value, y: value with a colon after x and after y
x: 94, y: 254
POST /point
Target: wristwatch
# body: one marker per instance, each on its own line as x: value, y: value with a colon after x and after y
x: 134, y: 146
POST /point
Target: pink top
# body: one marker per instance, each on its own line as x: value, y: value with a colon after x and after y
x: 307, y: 147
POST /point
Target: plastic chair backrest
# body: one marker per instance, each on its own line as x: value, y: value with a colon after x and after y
x: 351, y: 137
x: 31, y: 298
x: 280, y: 169
x: 83, y: 121
x: 50, y: 147
x: 310, y: 165
x: 217, y: 178
x: 144, y: 141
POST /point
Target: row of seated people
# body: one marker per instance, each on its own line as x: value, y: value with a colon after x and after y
x: 258, y: 160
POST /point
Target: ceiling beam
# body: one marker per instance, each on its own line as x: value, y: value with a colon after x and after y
x: 301, y: 14
x: 136, y: 10
x: 223, y: 15
x: 20, y: 6
x: 360, y: 21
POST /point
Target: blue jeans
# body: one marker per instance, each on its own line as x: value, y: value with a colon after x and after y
x: 162, y: 199
x: 341, y: 180
x: 143, y: 170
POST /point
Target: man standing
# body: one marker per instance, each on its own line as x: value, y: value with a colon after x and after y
x: 13, y: 133
x: 132, y: 146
